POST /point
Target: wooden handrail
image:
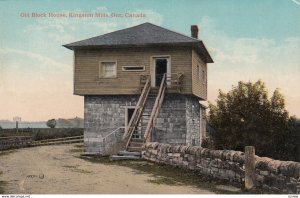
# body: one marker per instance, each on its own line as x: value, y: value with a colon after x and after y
x: 137, y: 113
x: 113, y: 132
x: 155, y: 109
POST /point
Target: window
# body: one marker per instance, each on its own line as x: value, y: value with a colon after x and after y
x: 108, y: 70
x: 198, y: 72
x: 204, y: 76
x: 133, y: 68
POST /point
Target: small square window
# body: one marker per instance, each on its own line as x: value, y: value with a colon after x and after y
x: 108, y: 70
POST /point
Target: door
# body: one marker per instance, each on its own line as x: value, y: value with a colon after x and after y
x: 161, y: 67
x: 128, y: 116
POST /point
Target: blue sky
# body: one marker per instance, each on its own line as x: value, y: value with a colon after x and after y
x: 248, y: 40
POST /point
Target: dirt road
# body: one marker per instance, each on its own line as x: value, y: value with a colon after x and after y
x: 58, y: 170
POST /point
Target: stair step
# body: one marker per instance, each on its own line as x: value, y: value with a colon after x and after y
x: 130, y: 148
x: 127, y: 153
x: 136, y: 140
x: 136, y: 144
x: 125, y: 157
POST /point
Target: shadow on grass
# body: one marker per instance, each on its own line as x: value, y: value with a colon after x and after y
x: 166, y: 174
x: 2, y: 184
x: 7, y: 152
x: 170, y: 175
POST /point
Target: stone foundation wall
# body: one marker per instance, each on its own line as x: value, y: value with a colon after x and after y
x: 193, y: 124
x: 178, y: 121
x: 102, y: 115
x: 170, y: 124
x: 274, y: 175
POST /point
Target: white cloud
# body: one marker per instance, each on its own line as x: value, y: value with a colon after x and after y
x: 36, y: 87
x: 275, y: 62
x: 42, y: 61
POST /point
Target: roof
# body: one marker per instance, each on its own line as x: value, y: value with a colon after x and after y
x: 144, y: 34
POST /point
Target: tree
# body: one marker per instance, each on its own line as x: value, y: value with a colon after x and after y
x: 246, y: 116
x: 51, y: 123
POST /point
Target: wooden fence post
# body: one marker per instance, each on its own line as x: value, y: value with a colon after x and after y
x: 249, y: 167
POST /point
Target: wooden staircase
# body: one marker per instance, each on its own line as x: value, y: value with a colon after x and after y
x: 155, y: 110
x: 135, y: 119
x: 134, y: 145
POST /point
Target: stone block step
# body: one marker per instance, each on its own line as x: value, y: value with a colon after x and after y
x: 121, y: 157
x: 127, y: 153
x: 87, y: 154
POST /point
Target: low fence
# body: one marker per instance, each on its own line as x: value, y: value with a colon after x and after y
x: 42, y: 133
x: 15, y: 142
x: 10, y: 138
x: 277, y: 176
x: 65, y: 140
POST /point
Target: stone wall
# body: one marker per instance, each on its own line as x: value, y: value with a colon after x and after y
x: 277, y: 176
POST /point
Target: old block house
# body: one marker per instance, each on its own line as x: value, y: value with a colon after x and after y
x: 141, y: 84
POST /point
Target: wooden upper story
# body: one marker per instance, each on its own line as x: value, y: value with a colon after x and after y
x: 116, y: 64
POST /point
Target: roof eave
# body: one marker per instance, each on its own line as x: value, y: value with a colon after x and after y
x: 205, y: 52
x: 72, y: 47
x: 200, y: 45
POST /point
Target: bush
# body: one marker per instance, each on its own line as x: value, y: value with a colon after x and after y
x: 51, y: 123
x: 208, y: 143
x: 246, y: 116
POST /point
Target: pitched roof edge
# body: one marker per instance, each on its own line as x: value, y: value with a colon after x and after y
x: 66, y: 45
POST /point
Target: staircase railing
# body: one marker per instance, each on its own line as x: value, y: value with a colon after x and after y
x: 110, y: 139
x: 155, y: 110
x: 174, y: 80
x: 137, y: 113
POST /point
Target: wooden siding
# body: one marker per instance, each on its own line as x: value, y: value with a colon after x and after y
x: 199, y: 88
x: 86, y: 72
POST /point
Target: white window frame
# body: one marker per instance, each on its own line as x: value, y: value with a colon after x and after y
x: 101, y: 69
x: 124, y: 68
x: 169, y: 68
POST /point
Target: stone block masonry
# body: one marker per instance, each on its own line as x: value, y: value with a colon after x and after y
x: 178, y: 121
x: 102, y: 115
x: 274, y: 175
